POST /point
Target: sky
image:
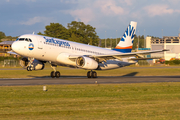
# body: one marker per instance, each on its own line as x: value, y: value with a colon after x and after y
x: 110, y: 17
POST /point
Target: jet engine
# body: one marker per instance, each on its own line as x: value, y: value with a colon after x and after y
x: 36, y: 64
x: 86, y: 63
x: 24, y: 62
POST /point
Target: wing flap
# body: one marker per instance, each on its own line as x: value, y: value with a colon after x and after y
x: 142, y: 58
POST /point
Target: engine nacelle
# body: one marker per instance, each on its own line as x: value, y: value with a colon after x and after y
x: 36, y: 64
x: 24, y: 62
x: 86, y: 63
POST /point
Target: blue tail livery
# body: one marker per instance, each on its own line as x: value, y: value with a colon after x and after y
x: 126, y: 42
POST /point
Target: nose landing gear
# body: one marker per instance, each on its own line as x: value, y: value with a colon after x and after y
x: 30, y: 67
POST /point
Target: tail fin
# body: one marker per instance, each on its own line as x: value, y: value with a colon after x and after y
x: 126, y: 42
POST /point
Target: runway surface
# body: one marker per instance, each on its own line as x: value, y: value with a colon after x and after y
x: 84, y: 80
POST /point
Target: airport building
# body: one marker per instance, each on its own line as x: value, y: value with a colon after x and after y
x: 167, y: 42
x: 4, y: 47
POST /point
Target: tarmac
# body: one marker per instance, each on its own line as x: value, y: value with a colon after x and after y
x: 84, y: 80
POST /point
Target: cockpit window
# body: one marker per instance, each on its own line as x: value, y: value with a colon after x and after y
x: 21, y: 39
x: 24, y: 39
x: 17, y: 39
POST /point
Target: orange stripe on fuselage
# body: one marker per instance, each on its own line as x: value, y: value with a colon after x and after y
x: 118, y: 47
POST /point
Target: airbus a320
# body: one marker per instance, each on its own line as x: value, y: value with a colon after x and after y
x: 37, y: 49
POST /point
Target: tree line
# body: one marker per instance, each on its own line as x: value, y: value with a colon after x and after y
x: 8, y: 38
x: 75, y: 31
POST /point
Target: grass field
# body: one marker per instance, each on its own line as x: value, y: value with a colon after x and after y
x: 135, y: 71
x: 149, y: 101
x: 152, y: 101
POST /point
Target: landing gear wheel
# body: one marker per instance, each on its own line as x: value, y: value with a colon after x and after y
x: 52, y: 74
x: 29, y: 68
x: 57, y: 74
x: 91, y: 74
x: 94, y: 74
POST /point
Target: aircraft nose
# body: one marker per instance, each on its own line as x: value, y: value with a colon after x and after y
x: 14, y: 46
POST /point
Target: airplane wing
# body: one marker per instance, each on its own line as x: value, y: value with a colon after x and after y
x: 125, y: 55
x: 101, y: 58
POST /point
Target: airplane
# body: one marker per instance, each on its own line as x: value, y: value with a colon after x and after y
x: 37, y: 50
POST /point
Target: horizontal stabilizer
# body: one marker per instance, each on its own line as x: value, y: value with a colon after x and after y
x: 12, y: 53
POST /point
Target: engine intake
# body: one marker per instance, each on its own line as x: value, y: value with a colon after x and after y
x: 86, y: 63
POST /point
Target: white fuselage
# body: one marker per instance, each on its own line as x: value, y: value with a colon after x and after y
x: 58, y: 51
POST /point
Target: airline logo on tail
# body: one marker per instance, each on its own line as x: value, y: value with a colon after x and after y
x: 126, y: 42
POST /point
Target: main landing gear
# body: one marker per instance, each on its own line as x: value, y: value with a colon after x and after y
x: 91, y: 74
x: 55, y: 73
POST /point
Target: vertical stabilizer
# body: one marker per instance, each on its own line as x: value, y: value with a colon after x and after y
x: 126, y: 42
